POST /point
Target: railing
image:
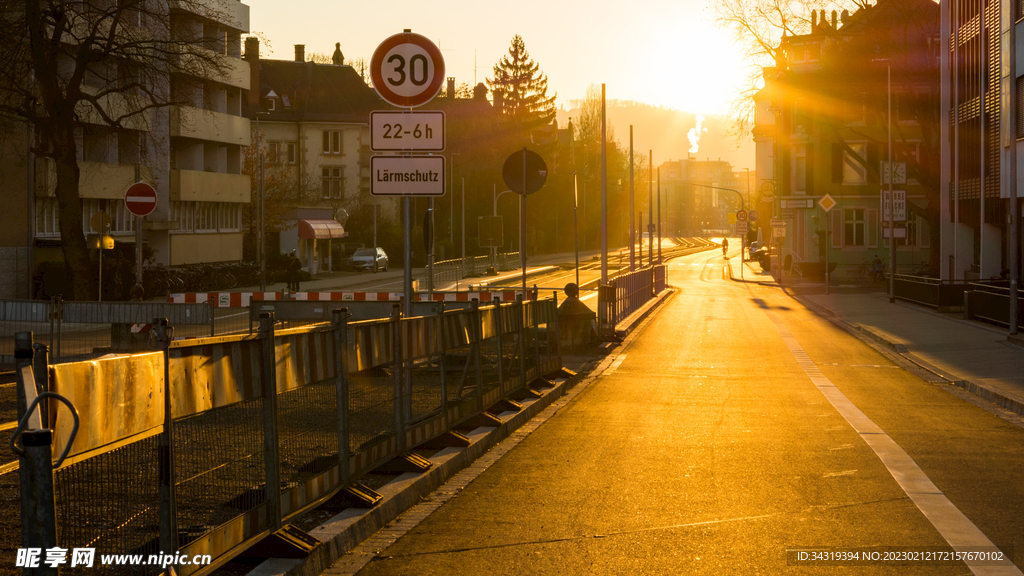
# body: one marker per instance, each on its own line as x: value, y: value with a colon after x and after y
x: 932, y: 292
x: 626, y: 293
x: 208, y: 445
x: 991, y: 302
x: 82, y: 330
x: 453, y: 270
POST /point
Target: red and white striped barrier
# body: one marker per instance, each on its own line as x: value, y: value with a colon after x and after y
x: 243, y: 299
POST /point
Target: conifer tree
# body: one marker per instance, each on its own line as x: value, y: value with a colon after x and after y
x: 523, y: 88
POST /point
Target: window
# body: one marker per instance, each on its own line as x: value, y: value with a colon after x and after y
x: 282, y: 153
x: 47, y: 218
x: 291, y: 151
x: 853, y: 171
x: 854, y: 227
x: 273, y: 152
x: 332, y: 141
x: 333, y: 184
x: 800, y: 168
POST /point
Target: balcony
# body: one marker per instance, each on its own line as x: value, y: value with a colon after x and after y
x: 224, y: 69
x: 97, y: 180
x: 197, y: 186
x: 189, y: 122
x: 230, y: 13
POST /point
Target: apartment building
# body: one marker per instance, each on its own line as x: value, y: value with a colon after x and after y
x: 699, y: 195
x: 190, y: 152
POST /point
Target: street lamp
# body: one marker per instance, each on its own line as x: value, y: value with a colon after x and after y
x: 743, y: 239
x: 494, y: 249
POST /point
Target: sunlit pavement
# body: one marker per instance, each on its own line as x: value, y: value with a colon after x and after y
x: 722, y: 433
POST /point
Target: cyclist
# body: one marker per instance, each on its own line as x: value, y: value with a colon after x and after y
x: 876, y: 269
x: 725, y: 248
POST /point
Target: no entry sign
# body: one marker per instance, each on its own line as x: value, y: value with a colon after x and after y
x: 140, y: 199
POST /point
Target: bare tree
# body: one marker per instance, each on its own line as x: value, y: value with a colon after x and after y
x: 758, y: 27
x: 68, y: 65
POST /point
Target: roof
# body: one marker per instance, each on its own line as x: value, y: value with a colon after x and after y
x: 311, y: 91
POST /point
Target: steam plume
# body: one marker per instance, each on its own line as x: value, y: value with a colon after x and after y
x: 694, y: 134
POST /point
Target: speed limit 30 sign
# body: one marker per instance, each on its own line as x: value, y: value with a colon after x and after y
x: 407, y: 70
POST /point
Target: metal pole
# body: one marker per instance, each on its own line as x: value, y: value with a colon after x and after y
x: 522, y: 224
x: 955, y: 192
x: 100, y: 290
x: 659, y: 219
x: 604, y: 193
x: 271, y: 447
x: 168, y: 508
x: 407, y: 276
x: 375, y: 222
x: 464, y: 225
x: 30, y: 207
x: 828, y: 222
x: 981, y: 140
x: 892, y: 200
x: 576, y: 224
x: 633, y: 232
x: 650, y: 207
x: 430, y: 250
x: 1013, y: 231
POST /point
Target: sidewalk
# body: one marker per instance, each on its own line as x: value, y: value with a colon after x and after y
x: 969, y: 354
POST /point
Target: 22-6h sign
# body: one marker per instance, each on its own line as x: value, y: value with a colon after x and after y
x: 407, y: 70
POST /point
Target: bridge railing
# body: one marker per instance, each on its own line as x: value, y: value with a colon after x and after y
x: 207, y: 445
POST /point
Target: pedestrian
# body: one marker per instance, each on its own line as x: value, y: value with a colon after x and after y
x: 294, y: 269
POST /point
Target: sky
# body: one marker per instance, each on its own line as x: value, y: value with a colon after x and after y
x: 660, y: 52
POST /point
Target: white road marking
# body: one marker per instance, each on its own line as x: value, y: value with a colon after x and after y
x: 615, y: 365
x: 957, y: 529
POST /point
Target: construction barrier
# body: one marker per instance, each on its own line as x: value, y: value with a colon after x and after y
x: 208, y: 445
x: 245, y: 299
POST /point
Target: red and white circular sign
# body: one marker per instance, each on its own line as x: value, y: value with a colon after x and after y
x: 407, y: 70
x: 140, y: 199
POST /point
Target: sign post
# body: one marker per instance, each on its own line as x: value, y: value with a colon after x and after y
x: 407, y: 71
x: 524, y: 173
x: 827, y: 203
x: 140, y: 200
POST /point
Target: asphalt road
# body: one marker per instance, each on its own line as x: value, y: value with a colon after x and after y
x: 734, y: 426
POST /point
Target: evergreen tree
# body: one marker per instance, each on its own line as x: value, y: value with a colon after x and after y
x: 523, y: 88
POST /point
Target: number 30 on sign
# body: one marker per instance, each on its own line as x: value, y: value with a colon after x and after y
x: 407, y: 70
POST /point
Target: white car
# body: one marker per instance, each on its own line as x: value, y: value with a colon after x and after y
x: 369, y: 259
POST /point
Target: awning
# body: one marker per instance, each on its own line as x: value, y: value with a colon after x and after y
x: 320, y: 229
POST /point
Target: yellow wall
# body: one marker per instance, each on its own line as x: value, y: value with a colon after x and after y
x: 195, y: 185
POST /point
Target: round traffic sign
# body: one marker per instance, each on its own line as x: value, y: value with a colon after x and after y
x: 100, y: 222
x: 140, y: 199
x: 753, y: 215
x: 407, y: 70
x: 741, y: 215
x: 536, y: 172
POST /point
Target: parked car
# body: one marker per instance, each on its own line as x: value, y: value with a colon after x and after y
x: 369, y: 259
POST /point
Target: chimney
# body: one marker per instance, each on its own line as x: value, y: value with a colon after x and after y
x: 451, y: 87
x: 814, y: 20
x: 252, y: 48
x: 300, y: 52
x: 834, y: 16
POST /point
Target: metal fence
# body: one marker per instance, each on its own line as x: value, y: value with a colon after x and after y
x: 931, y: 292
x: 991, y: 302
x: 626, y: 293
x: 208, y: 445
x: 454, y: 270
x: 81, y: 330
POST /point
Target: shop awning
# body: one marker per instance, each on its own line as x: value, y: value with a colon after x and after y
x: 320, y: 229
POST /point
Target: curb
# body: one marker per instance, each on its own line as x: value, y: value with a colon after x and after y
x: 354, y: 525
x: 633, y: 320
x: 865, y: 333
x: 745, y: 281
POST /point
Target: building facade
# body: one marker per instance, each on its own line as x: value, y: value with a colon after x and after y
x: 823, y: 127
x: 190, y: 152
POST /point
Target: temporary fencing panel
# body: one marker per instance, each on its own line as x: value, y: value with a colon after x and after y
x: 264, y: 426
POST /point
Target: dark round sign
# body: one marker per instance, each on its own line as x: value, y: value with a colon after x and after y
x: 536, y: 171
x: 140, y: 199
x: 407, y: 70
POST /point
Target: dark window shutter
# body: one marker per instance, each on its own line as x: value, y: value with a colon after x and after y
x: 874, y: 166
x: 837, y: 164
x: 809, y: 163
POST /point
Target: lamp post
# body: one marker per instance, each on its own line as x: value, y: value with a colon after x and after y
x: 494, y: 249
